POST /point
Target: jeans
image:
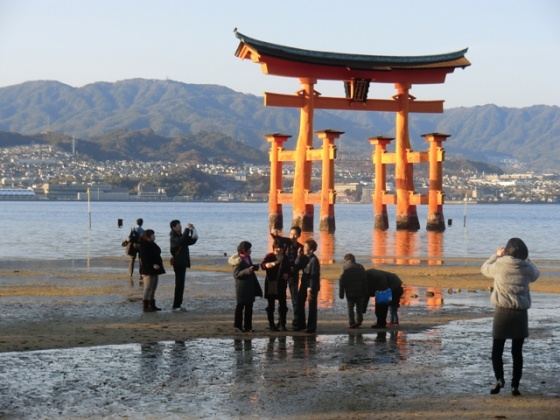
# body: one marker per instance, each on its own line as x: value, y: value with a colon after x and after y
x: 351, y: 304
x: 394, y: 314
x: 150, y: 286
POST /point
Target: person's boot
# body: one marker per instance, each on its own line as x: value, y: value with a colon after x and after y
x: 148, y: 306
x: 153, y: 305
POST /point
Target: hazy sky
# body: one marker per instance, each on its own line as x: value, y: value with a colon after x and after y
x: 514, y: 45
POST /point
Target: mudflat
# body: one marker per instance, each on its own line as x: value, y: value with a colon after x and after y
x: 69, y: 304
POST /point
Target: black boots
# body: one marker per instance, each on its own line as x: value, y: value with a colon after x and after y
x: 150, y: 306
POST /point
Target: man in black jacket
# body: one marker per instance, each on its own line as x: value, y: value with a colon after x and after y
x: 352, y: 283
x: 180, y: 241
x: 292, y: 250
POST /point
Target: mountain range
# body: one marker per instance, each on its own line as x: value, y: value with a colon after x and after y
x: 169, y: 120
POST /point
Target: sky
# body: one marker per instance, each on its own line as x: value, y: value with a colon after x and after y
x: 514, y: 45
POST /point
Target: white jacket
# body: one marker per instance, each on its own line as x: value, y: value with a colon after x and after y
x: 512, y: 277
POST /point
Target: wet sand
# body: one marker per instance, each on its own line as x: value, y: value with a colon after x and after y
x: 84, y: 304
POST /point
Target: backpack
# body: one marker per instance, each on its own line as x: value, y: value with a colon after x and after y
x: 133, y: 237
x: 132, y: 243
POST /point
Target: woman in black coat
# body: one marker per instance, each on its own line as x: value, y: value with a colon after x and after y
x: 151, y: 266
x: 246, y: 286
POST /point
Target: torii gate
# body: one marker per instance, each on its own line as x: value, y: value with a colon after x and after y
x: 357, y: 72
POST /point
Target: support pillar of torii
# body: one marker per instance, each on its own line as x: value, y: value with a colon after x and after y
x: 380, y: 198
x: 304, y: 198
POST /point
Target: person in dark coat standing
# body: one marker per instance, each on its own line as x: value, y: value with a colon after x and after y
x: 377, y: 281
x: 278, y: 272
x: 352, y: 283
x: 512, y: 272
x: 134, y: 247
x: 151, y: 266
x: 309, y: 287
x: 395, y: 284
x: 292, y: 249
x: 247, y: 286
x: 179, y: 242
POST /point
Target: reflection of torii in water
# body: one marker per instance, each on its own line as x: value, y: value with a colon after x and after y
x: 357, y: 72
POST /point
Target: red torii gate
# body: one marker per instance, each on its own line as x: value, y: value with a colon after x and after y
x: 357, y: 72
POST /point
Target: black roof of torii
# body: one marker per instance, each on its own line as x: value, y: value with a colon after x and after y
x: 353, y: 61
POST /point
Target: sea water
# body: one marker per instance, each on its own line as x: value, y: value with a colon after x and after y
x: 76, y: 230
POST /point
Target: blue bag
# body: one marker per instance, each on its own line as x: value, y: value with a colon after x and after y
x: 383, y: 297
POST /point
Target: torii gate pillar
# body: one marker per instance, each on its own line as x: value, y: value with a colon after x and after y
x: 407, y: 218
x: 435, y: 221
x: 303, y: 211
x: 328, y: 193
x: 276, y: 218
x: 381, y: 220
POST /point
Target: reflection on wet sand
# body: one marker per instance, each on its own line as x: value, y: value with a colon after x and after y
x: 244, y: 360
x: 385, y: 347
x: 276, y: 348
x: 394, y: 247
x: 326, y: 250
x: 151, y: 355
x: 305, y: 347
x: 389, y: 247
x: 327, y: 294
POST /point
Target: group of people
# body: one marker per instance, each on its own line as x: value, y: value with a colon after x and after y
x: 359, y: 284
x: 282, y: 266
x: 151, y: 263
x: 510, y: 268
x: 282, y: 269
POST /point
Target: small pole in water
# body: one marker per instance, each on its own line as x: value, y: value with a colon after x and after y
x: 465, y: 212
x: 89, y: 206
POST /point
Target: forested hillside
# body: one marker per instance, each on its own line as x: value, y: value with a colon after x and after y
x: 212, y: 117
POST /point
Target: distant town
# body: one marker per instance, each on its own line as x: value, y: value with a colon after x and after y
x: 43, y: 172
